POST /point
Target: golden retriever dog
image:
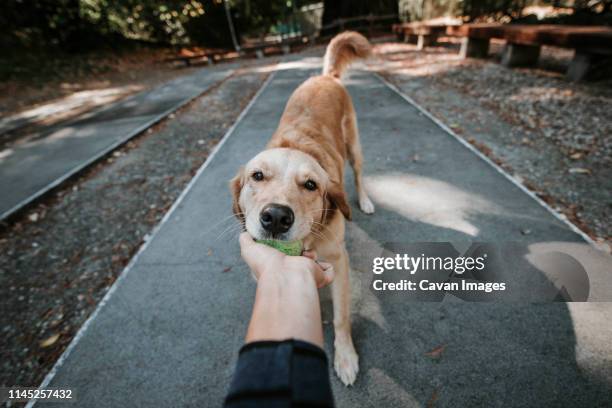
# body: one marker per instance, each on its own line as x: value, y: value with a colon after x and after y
x: 294, y: 189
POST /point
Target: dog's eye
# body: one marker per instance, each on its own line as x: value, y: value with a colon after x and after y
x: 310, y: 185
x: 258, y: 176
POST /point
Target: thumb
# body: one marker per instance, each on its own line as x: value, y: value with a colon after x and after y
x: 246, y: 243
x: 248, y: 249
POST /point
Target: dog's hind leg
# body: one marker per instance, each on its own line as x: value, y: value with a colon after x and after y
x: 355, y: 157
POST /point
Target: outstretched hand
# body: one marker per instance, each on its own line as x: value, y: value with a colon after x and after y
x: 263, y: 259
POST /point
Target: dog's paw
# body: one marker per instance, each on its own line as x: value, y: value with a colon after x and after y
x: 346, y: 364
x: 366, y: 205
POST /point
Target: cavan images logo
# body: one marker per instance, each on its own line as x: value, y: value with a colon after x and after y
x: 478, y: 272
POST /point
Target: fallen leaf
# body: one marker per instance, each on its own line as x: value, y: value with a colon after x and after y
x: 576, y: 156
x: 437, y: 352
x: 579, y: 170
x: 229, y: 268
x: 432, y: 401
x: 209, y: 253
x: 49, y: 341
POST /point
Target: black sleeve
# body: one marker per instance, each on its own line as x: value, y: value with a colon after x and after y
x: 275, y: 374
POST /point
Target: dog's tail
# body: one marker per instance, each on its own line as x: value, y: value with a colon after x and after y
x: 342, y: 50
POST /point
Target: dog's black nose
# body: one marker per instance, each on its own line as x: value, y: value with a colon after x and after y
x: 276, y: 218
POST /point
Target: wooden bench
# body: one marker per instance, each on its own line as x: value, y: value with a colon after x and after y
x: 188, y: 59
x: 257, y: 49
x: 424, y: 33
x: 592, y: 44
x: 284, y: 45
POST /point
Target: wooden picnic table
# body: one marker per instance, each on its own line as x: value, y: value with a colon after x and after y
x: 592, y: 44
x: 257, y: 48
x: 587, y: 37
x: 189, y: 58
x: 285, y: 45
x: 423, y: 33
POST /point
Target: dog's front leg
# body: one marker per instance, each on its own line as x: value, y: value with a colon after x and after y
x: 346, y: 360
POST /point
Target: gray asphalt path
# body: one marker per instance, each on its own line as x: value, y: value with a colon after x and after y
x: 170, y: 331
x: 28, y: 170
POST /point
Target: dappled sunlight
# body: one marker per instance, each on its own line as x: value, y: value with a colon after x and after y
x: 366, y: 303
x: 419, y: 68
x: 423, y: 70
x: 590, y: 320
x: 360, y: 81
x: 68, y: 132
x: 64, y: 134
x: 304, y: 63
x: 4, y: 154
x: 387, y: 385
x: 596, y: 264
x: 430, y: 201
x: 406, y: 59
x: 135, y: 103
x: 592, y: 331
x: 67, y: 106
x: 391, y: 48
x: 544, y: 94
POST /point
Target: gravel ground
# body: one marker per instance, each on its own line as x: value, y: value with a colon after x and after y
x: 553, y: 135
x: 59, y: 259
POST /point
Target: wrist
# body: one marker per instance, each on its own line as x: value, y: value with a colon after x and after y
x: 287, y: 284
x: 286, y: 305
x: 290, y: 271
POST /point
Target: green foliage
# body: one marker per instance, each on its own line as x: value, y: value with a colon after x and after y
x: 256, y: 17
x: 495, y: 8
x: 154, y: 21
x: 585, y: 11
x: 335, y: 9
x: 76, y: 25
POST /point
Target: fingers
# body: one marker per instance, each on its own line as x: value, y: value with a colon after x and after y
x: 310, y: 254
x: 325, y: 276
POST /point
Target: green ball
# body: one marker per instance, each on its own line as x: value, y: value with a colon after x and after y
x: 291, y: 248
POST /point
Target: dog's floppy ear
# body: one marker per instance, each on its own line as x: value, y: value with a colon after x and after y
x: 235, y: 187
x: 337, y: 199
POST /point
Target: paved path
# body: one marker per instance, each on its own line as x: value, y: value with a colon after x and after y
x: 169, y: 332
x: 28, y: 170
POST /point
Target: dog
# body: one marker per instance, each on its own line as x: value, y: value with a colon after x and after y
x: 294, y: 189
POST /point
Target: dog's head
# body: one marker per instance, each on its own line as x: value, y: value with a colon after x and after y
x: 285, y: 194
